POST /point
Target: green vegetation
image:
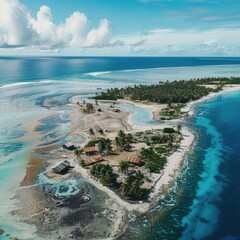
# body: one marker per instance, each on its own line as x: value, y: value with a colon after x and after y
x: 160, y: 143
x: 138, y: 134
x: 89, y: 108
x: 92, y: 143
x: 91, y: 132
x: 132, y: 186
x: 152, y: 138
x: 169, y: 92
x: 154, y: 162
x: 78, y: 152
x: 172, y: 110
x: 104, y: 173
x: 161, y: 150
x: 82, y: 163
x: 123, y: 141
x: 217, y: 80
x: 168, y: 130
x: 109, y: 95
x: 104, y: 146
x: 160, y: 139
x: 123, y: 166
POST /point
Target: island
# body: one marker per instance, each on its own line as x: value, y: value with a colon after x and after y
x: 132, y: 164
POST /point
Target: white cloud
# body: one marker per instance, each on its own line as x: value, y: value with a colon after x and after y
x: 220, y: 41
x: 101, y: 36
x: 19, y: 28
x: 75, y: 28
x: 14, y: 24
x: 39, y: 34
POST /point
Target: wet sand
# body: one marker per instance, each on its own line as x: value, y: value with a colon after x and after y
x: 35, y: 165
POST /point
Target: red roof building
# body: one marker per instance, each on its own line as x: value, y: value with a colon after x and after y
x: 134, y: 159
x: 90, y: 150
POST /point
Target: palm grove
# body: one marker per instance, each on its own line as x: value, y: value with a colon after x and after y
x: 169, y: 92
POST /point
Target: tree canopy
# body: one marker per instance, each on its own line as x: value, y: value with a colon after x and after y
x: 104, y: 173
x: 169, y: 92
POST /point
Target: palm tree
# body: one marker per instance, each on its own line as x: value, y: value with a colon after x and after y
x: 139, y: 176
x: 171, y: 140
x: 117, y: 143
x: 91, y: 132
x: 108, y: 146
x: 123, y: 166
x: 135, y: 189
x: 101, y: 147
x: 78, y: 152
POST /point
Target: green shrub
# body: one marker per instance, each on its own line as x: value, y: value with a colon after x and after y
x: 160, y: 149
x: 138, y: 134
x: 155, y: 138
x: 168, y: 130
x: 92, y: 143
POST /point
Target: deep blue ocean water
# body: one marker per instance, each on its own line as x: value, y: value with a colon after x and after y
x: 207, y: 192
x: 28, y: 69
x: 206, y: 195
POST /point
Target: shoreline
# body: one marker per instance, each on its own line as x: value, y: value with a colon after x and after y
x: 163, y: 180
x: 174, y: 161
x: 172, y: 167
x: 160, y: 179
x: 225, y: 90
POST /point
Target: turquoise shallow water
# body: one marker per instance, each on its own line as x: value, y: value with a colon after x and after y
x: 206, y: 194
x: 209, y: 183
x: 141, y: 116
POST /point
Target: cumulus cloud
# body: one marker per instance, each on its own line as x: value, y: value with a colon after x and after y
x: 101, y: 36
x: 15, y: 28
x: 19, y: 28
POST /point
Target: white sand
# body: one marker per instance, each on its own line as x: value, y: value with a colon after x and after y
x: 226, y: 89
x: 174, y: 162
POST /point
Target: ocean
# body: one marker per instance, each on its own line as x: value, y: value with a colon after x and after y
x: 206, y: 193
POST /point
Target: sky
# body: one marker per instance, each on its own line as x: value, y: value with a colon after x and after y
x: 120, y: 27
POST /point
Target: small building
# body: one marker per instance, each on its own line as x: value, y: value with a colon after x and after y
x: 62, y: 168
x: 89, y: 151
x: 69, y: 148
x: 134, y: 159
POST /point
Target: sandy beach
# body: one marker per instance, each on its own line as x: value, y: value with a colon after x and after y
x: 108, y: 119
x: 226, y: 89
